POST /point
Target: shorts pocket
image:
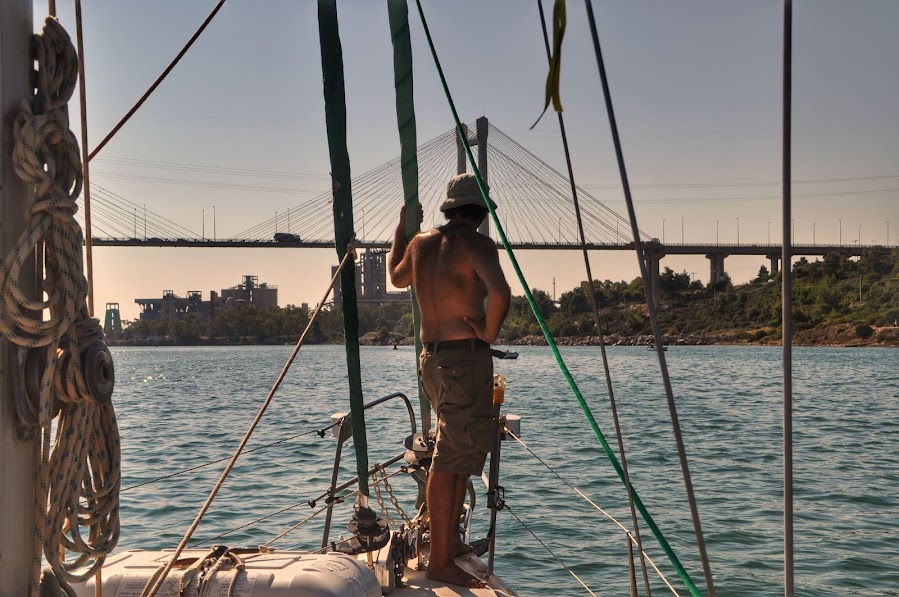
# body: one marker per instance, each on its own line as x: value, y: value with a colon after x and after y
x: 481, y: 431
x: 457, y: 388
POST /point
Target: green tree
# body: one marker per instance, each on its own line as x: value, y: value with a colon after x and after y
x: 671, y: 283
x: 189, y: 329
x: 544, y: 303
x: 574, y: 302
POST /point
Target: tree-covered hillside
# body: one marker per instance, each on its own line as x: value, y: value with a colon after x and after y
x: 836, y: 301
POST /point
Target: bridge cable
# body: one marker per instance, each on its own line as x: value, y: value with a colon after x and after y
x: 599, y: 323
x: 685, y: 577
x: 650, y: 302
x: 193, y: 527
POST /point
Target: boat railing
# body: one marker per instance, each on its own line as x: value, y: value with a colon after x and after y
x: 342, y: 430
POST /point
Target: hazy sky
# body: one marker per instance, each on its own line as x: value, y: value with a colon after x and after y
x: 696, y: 86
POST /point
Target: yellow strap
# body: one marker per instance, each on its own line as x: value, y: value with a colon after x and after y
x: 555, y: 63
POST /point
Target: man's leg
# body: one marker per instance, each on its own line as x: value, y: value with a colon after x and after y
x: 458, y: 503
x: 442, y: 490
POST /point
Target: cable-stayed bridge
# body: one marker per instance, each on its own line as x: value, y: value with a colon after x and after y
x: 534, y: 202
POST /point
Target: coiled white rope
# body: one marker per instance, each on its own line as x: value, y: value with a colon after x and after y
x: 77, y: 483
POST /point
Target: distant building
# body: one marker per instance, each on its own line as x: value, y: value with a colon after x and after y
x: 171, y: 306
x: 261, y: 296
x: 113, y: 324
x: 371, y: 279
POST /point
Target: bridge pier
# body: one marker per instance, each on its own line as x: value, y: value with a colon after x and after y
x: 775, y: 264
x: 652, y: 270
x: 716, y: 267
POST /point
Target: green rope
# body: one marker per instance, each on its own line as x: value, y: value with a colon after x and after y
x: 335, y: 116
x: 549, y: 339
x: 398, y: 13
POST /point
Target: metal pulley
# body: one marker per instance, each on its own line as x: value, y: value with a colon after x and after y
x: 99, y: 371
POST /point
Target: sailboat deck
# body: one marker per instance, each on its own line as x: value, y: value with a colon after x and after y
x: 416, y: 583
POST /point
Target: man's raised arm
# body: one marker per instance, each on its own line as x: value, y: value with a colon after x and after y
x: 399, y: 263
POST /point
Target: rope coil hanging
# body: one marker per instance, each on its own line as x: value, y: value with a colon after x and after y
x: 77, y: 482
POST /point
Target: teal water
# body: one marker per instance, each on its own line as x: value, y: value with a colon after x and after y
x: 183, y: 407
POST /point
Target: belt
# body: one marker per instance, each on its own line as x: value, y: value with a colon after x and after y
x: 465, y: 344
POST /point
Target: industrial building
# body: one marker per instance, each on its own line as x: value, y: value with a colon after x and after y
x: 171, y: 306
x: 371, y: 279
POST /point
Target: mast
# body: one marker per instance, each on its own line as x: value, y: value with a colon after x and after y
x: 16, y: 453
x: 787, y: 298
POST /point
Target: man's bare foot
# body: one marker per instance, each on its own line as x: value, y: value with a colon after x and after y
x: 455, y: 575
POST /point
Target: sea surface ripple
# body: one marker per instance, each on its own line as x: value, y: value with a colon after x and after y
x: 180, y: 408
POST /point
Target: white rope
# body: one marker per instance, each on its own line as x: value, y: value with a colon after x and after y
x: 77, y: 483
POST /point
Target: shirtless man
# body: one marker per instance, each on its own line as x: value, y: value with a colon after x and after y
x: 453, y: 269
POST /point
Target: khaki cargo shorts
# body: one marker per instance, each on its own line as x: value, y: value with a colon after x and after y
x: 458, y: 382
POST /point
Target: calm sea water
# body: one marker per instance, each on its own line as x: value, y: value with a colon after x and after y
x: 184, y: 407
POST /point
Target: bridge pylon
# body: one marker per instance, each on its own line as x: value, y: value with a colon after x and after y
x: 479, y: 141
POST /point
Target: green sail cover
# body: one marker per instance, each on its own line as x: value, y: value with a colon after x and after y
x: 398, y: 13
x: 335, y: 116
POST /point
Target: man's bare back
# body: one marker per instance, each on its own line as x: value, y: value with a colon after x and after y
x: 445, y: 282
x: 453, y: 269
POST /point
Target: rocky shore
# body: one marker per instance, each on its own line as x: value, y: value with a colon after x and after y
x: 838, y: 335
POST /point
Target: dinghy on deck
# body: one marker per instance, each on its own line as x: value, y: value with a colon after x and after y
x: 272, y: 573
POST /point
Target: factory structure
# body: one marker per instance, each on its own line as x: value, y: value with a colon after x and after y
x: 172, y: 306
x: 371, y: 286
x: 371, y: 279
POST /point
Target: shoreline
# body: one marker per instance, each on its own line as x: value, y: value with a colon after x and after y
x: 611, y: 340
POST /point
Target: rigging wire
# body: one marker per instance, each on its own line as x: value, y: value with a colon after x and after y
x: 549, y: 338
x: 599, y: 323
x: 598, y: 508
x: 85, y: 168
x: 548, y: 550
x: 199, y: 466
x: 336, y: 500
x: 156, y: 83
x: 650, y: 302
x: 787, y: 301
